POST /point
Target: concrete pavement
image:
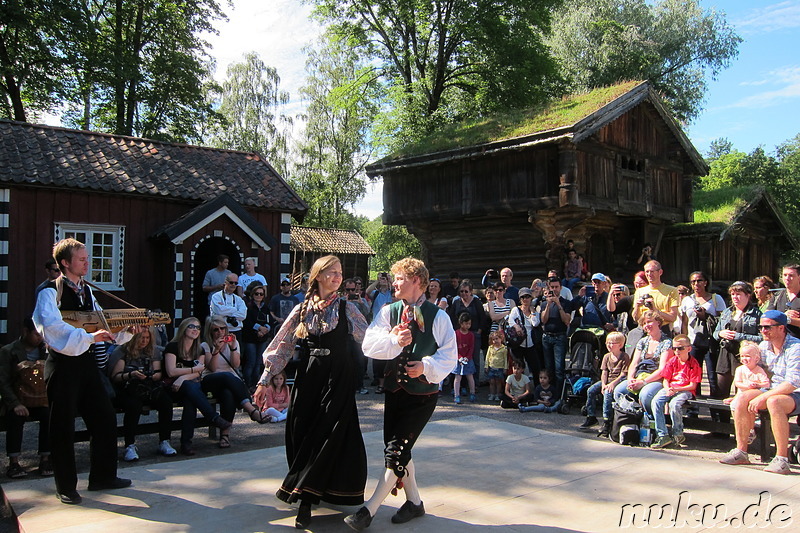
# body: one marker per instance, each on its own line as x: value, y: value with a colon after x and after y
x: 475, y: 473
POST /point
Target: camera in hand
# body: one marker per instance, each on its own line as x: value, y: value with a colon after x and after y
x: 232, y: 321
x: 229, y: 338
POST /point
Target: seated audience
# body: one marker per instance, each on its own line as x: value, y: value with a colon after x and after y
x: 681, y: 375
x: 222, y: 380
x: 276, y: 405
x: 613, y: 369
x: 750, y: 375
x: 23, y: 360
x: 184, y: 362
x: 545, y: 397
x: 135, y: 371
x: 518, y: 388
x: 781, y: 355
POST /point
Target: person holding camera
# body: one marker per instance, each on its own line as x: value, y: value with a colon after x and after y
x: 136, y: 373
x: 229, y: 305
x: 556, y: 317
x: 656, y: 296
x: 736, y: 323
x: 593, y: 299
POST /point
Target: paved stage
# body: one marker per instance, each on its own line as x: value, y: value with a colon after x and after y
x: 476, y: 475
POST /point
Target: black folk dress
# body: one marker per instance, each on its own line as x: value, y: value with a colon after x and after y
x: 324, y: 446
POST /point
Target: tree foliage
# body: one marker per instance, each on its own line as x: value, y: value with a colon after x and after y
x: 391, y: 243
x: 342, y: 98
x: 778, y: 173
x: 672, y: 43
x: 123, y: 66
x: 444, y: 60
x: 250, y: 104
x: 34, y: 48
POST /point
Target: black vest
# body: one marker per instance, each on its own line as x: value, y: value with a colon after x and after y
x: 69, y: 302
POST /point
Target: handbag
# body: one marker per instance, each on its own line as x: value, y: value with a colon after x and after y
x: 29, y: 385
x: 514, y: 337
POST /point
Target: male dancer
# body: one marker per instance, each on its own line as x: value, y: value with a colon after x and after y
x: 417, y: 339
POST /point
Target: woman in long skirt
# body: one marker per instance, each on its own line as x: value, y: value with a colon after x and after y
x: 324, y: 447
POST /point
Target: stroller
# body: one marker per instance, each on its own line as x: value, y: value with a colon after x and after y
x: 581, y: 368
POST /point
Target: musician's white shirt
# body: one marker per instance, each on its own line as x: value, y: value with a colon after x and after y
x: 60, y: 336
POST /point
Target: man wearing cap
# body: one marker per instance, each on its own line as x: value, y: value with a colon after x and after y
x: 282, y: 304
x: 786, y: 300
x: 780, y: 353
x: 593, y: 302
x: 658, y: 297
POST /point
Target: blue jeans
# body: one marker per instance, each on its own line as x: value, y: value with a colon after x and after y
x: 252, y: 365
x: 621, y: 389
x: 541, y: 408
x: 675, y: 402
x: 591, y: 399
x: 647, y: 393
x: 555, y: 353
x: 193, y: 399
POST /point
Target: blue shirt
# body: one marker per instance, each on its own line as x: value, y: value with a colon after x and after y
x: 785, y: 366
x: 595, y: 312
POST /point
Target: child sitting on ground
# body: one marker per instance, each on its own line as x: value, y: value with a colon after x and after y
x: 544, y: 396
x: 518, y: 387
x: 465, y: 341
x: 276, y: 405
x: 749, y: 375
x: 496, y: 365
x: 614, y: 368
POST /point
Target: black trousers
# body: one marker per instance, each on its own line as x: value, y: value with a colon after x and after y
x: 132, y: 404
x: 15, y: 423
x: 404, y: 417
x: 75, y: 389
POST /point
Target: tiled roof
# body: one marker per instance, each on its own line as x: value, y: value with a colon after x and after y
x: 51, y: 156
x: 329, y: 240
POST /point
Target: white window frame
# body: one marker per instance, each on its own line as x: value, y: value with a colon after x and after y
x: 64, y: 229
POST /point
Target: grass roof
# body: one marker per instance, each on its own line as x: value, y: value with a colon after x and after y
x: 517, y: 123
x: 721, y: 205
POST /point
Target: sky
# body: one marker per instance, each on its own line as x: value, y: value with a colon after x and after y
x: 755, y: 102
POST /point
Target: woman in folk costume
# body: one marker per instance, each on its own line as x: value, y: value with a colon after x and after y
x: 324, y: 447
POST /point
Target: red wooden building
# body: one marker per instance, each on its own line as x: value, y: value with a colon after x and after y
x: 154, y: 215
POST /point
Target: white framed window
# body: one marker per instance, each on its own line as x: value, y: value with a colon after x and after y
x: 106, y: 246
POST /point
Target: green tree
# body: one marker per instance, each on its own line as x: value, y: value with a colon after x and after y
x: 33, y: 51
x: 343, y: 98
x: 445, y: 60
x: 391, y: 243
x: 672, y: 43
x: 250, y: 104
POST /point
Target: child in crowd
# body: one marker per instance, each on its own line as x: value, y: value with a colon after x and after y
x: 276, y: 405
x: 544, y: 396
x: 681, y: 375
x: 496, y: 364
x: 749, y: 375
x: 518, y: 388
x: 466, y: 366
x: 613, y: 369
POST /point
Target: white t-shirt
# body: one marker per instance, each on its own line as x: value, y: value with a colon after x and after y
x: 245, y: 280
x: 713, y: 307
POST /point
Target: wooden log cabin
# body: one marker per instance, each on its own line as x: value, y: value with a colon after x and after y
x: 309, y: 244
x: 609, y: 169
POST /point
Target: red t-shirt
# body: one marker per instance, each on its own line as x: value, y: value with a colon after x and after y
x: 466, y: 343
x: 680, y: 374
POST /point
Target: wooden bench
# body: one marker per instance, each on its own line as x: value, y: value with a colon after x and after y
x: 144, y: 428
x: 763, y: 431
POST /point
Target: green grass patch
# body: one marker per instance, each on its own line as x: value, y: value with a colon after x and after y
x: 555, y: 114
x: 720, y: 205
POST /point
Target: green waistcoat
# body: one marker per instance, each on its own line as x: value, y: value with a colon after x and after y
x: 423, y: 344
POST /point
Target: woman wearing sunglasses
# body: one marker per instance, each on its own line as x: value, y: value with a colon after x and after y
x: 255, y: 336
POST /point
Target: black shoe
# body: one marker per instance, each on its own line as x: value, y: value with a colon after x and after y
x: 407, y: 512
x: 220, y: 422
x: 359, y: 521
x: 186, y: 449
x: 116, y: 483
x: 303, y: 518
x: 589, y: 422
x: 15, y: 471
x: 70, y: 498
x: 604, y: 431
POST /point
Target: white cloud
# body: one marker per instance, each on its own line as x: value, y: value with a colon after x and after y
x: 780, y: 16
x: 788, y: 81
